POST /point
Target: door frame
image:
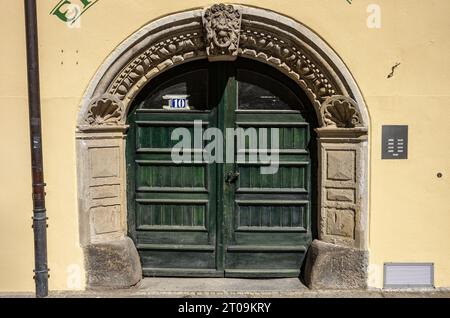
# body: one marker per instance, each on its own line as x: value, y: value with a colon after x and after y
x: 186, y: 36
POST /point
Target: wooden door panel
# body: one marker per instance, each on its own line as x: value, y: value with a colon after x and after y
x: 270, y: 230
x: 167, y: 257
x: 163, y: 236
x: 158, y: 176
x: 172, y: 215
x: 291, y: 177
x: 267, y: 259
x: 268, y: 216
x: 174, y: 210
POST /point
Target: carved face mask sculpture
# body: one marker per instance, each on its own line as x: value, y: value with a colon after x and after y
x: 222, y: 23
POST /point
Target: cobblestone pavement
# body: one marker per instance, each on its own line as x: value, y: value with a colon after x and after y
x: 236, y: 288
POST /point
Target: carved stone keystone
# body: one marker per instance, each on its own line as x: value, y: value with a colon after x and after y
x: 222, y: 25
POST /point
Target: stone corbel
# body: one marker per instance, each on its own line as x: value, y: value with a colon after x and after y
x: 222, y: 24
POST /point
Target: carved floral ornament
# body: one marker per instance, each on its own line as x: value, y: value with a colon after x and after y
x: 161, y: 55
x: 223, y: 33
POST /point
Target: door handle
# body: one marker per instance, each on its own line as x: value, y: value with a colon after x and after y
x: 232, y: 177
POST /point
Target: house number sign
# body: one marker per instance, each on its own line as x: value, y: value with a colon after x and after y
x: 176, y: 102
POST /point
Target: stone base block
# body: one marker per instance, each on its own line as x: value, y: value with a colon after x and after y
x: 114, y: 264
x: 330, y: 266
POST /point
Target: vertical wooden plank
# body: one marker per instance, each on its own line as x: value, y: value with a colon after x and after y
x: 297, y: 139
x: 296, y: 213
x: 198, y: 216
x: 244, y: 215
x: 287, y: 140
x: 156, y: 210
x: 274, y: 220
x: 265, y: 220
x: 177, y: 215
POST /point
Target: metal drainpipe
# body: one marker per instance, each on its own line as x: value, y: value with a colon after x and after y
x: 34, y: 105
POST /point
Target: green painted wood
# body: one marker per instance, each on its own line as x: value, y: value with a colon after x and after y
x: 169, y: 247
x: 269, y: 225
x: 181, y: 272
x: 258, y: 273
x: 185, y: 219
x: 171, y: 207
x: 266, y: 248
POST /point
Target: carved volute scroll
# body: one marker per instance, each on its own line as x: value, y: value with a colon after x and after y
x: 222, y: 24
x: 105, y: 111
x: 340, y: 112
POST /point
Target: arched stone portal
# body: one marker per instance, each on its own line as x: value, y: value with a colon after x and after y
x: 262, y: 35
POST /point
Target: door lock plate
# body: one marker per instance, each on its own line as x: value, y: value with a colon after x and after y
x: 232, y: 177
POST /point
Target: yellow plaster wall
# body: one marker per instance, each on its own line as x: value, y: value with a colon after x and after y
x: 409, y: 205
x: 16, y: 239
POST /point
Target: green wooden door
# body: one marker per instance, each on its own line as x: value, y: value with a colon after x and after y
x: 225, y: 218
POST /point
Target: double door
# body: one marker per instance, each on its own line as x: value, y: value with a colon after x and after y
x: 219, y: 173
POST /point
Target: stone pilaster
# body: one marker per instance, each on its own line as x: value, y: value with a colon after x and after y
x: 112, y: 260
x: 101, y: 190
x: 342, y: 160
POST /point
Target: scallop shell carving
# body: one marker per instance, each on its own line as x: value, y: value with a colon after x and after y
x: 340, y: 112
x: 106, y: 110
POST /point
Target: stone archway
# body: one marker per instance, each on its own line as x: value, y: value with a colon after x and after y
x: 290, y: 47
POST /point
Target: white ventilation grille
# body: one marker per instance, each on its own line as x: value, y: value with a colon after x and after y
x: 408, y: 275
